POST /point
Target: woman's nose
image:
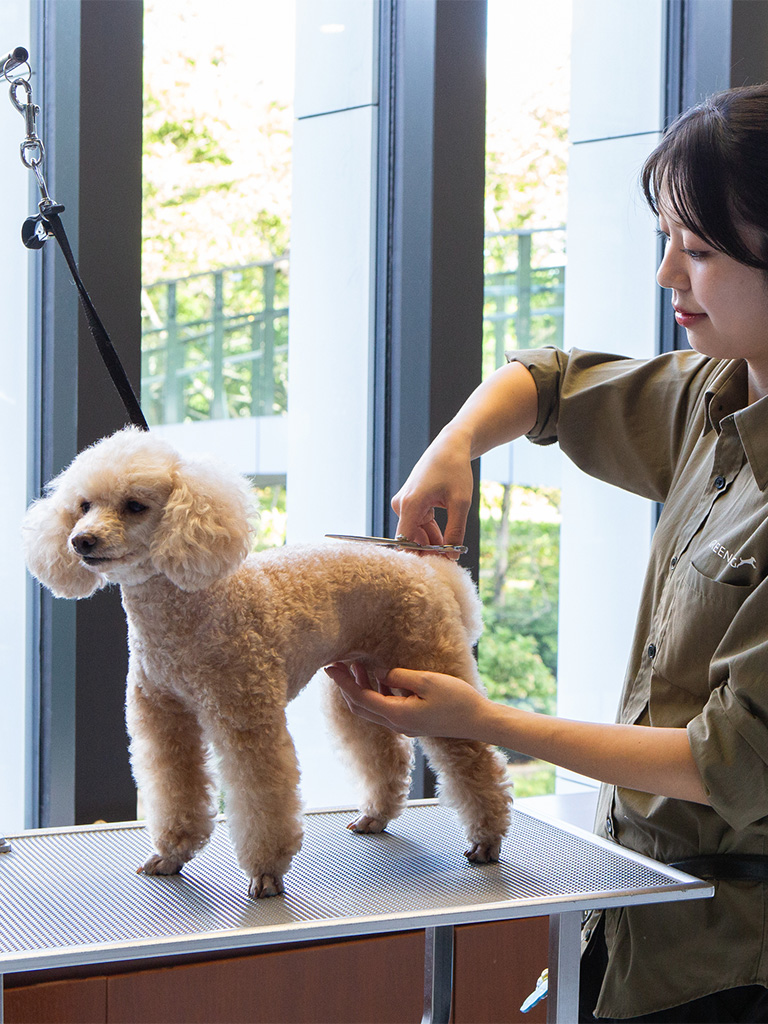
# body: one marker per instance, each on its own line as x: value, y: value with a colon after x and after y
x: 672, y: 272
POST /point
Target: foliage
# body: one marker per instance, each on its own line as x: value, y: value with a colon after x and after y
x: 271, y: 522
x: 532, y: 778
x: 513, y: 671
x: 217, y: 149
x: 519, y: 580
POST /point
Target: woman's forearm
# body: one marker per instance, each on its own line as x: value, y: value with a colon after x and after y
x: 504, y: 407
x: 645, y: 758
x: 648, y: 759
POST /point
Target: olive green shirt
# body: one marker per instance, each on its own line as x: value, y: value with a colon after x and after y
x: 678, y: 429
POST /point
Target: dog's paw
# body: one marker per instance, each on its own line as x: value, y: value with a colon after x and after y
x: 265, y: 885
x: 484, y: 853
x: 365, y: 824
x: 159, y: 865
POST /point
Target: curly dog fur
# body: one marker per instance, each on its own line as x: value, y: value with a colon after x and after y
x: 221, y: 640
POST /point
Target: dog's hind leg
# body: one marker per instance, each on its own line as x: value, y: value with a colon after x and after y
x: 169, y: 761
x: 260, y: 773
x: 381, y: 761
x: 473, y: 779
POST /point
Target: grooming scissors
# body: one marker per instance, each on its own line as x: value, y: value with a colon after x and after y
x: 403, y: 543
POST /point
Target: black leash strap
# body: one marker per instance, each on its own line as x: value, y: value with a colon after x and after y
x: 745, y: 867
x: 14, y: 67
x: 96, y: 327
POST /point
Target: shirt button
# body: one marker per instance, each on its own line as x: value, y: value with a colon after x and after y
x: 651, y: 650
x: 719, y: 482
x: 673, y: 561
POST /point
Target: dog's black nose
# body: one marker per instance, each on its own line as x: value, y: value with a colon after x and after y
x: 84, y: 543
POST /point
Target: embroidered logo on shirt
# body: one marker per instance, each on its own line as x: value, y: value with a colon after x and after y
x: 735, y: 561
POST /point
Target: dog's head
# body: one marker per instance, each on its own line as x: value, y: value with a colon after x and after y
x: 129, y: 508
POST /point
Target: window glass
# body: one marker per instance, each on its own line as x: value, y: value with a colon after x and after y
x: 525, y: 264
x: 254, y: 206
x: 218, y: 95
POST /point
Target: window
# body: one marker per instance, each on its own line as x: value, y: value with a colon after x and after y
x: 385, y: 307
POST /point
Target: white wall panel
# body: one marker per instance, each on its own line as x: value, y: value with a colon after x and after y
x: 610, y: 305
x: 331, y: 322
x: 336, y: 63
x: 616, y: 76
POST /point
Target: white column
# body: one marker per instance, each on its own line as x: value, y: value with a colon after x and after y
x: 610, y: 306
x: 332, y: 306
x: 14, y: 356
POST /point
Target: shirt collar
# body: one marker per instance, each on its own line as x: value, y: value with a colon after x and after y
x: 729, y: 396
x: 752, y: 424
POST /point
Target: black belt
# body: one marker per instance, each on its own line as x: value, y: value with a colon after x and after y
x: 749, y: 867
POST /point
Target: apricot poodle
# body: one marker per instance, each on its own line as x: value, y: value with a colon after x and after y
x: 221, y: 640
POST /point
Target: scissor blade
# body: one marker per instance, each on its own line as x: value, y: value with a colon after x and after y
x: 408, y: 545
x: 387, y: 542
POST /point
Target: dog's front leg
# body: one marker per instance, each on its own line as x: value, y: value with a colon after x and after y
x: 260, y: 773
x: 168, y: 757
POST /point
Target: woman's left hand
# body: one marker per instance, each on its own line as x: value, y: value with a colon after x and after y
x: 424, y: 704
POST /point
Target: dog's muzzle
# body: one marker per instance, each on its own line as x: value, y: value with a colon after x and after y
x: 85, y: 544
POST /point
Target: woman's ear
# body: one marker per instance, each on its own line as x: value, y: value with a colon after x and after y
x: 205, y: 532
x: 50, y: 558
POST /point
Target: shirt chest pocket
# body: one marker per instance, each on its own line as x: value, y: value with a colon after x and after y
x: 700, y: 612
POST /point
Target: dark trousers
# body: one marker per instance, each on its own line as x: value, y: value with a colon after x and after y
x: 748, y: 1004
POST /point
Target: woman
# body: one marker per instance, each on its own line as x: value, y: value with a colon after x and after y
x: 685, y: 768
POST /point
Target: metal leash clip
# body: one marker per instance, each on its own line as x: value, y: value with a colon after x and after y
x: 35, y: 232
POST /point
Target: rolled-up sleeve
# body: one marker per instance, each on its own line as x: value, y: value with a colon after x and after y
x: 547, y: 367
x: 730, y: 747
x: 729, y: 738
x: 619, y: 419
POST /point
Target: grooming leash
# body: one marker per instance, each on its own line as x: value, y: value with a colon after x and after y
x: 36, y: 231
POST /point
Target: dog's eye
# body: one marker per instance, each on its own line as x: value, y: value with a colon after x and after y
x: 85, y: 506
x: 135, y: 507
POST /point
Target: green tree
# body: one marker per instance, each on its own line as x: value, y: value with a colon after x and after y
x: 519, y: 580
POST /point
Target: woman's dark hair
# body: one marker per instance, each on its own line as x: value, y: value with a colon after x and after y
x: 711, y: 166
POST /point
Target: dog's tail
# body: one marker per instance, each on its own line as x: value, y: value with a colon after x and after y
x: 465, y: 592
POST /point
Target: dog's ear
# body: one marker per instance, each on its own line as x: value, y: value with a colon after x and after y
x: 50, y: 558
x: 205, y: 532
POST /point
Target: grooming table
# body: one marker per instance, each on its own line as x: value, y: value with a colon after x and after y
x: 72, y: 896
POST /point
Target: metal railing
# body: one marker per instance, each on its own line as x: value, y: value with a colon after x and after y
x: 215, y: 345
x: 524, y: 298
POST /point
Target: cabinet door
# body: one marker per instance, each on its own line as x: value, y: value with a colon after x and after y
x: 75, y: 1001
x: 375, y: 979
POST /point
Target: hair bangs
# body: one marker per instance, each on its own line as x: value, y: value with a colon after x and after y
x: 691, y: 172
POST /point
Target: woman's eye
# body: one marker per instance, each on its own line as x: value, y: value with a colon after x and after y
x: 135, y: 507
x: 696, y: 254
x: 85, y: 506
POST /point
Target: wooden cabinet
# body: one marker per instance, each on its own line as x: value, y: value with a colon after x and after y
x: 378, y: 979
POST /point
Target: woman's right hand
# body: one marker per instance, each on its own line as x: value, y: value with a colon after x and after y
x: 442, y: 478
x: 501, y: 409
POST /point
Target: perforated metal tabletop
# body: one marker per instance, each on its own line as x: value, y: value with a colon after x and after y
x: 72, y: 896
